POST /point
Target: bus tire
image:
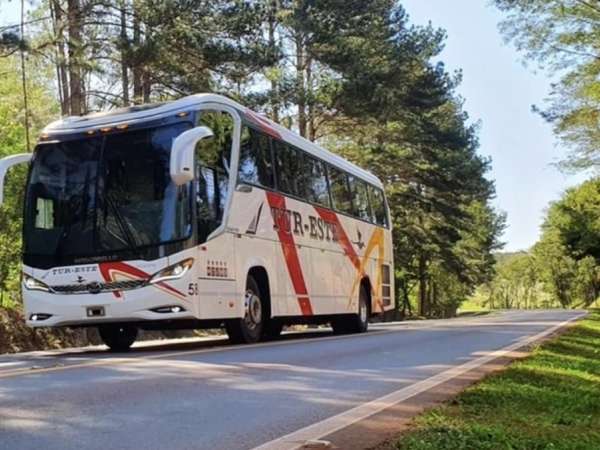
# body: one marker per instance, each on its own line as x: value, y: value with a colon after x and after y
x: 117, y: 337
x: 249, y: 329
x: 273, y: 329
x: 355, y: 323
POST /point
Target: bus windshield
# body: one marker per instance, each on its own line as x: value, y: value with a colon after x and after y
x: 101, y: 195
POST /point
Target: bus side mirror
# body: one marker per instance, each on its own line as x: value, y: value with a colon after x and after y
x: 7, y: 163
x: 182, y: 154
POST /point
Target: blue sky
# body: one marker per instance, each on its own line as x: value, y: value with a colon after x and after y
x: 499, y: 91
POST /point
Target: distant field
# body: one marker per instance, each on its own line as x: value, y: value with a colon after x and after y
x: 550, y: 400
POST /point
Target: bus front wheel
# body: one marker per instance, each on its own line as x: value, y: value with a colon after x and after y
x: 119, y: 338
x: 355, y: 323
x: 249, y: 329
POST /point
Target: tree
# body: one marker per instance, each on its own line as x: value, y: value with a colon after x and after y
x: 13, y: 140
x: 557, y: 269
x: 587, y: 281
x: 422, y: 146
x: 564, y: 265
x: 562, y: 35
x: 576, y: 219
x: 516, y: 283
x: 569, y: 250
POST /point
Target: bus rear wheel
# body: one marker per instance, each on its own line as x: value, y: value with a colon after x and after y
x: 355, y: 323
x: 249, y: 329
x: 118, y: 338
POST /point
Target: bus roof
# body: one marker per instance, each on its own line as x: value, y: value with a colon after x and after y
x: 150, y: 111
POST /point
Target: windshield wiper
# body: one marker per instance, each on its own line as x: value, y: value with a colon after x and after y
x: 123, y: 225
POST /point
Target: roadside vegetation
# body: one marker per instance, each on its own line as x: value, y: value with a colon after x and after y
x: 562, y: 270
x: 550, y: 400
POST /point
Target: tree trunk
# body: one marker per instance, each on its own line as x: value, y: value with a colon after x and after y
x: 124, y: 54
x: 146, y: 86
x: 430, y: 298
x: 58, y: 25
x: 312, y: 132
x: 405, y: 301
x: 272, y: 47
x: 138, y: 90
x: 74, y: 49
x: 423, y: 306
x: 300, y: 86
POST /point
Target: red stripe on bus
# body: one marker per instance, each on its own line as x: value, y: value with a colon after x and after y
x: 262, y: 123
x: 290, y: 253
x: 342, y: 237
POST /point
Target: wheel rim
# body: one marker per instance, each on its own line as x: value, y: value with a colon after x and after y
x: 253, y: 316
x: 363, y: 312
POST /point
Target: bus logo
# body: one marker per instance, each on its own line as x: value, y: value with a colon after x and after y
x: 253, y: 227
x: 359, y: 243
x: 94, y: 288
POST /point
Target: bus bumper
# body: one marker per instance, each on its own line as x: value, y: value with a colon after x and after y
x: 45, y: 309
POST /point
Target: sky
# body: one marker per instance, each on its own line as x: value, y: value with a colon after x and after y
x: 498, y: 90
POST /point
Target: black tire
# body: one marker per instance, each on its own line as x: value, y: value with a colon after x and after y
x: 273, y: 329
x: 118, y: 338
x: 354, y: 323
x: 249, y: 330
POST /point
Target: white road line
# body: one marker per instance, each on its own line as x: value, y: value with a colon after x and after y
x: 328, y: 426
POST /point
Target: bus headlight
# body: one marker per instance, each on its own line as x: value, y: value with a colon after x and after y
x: 173, y: 272
x: 34, y: 285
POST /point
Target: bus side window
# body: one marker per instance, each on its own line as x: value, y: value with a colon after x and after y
x: 289, y: 170
x: 378, y: 206
x: 206, y: 201
x: 316, y: 181
x: 360, y: 197
x: 340, y: 191
x: 256, y: 166
x: 212, y: 171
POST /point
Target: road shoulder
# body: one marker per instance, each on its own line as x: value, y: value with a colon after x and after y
x: 389, y: 429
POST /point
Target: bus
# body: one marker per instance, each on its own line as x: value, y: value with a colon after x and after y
x: 198, y: 213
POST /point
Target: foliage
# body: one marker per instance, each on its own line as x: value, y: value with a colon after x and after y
x: 563, y: 268
x: 419, y: 141
x: 569, y: 249
x: 516, y: 284
x: 576, y: 219
x: 562, y: 35
x: 556, y: 268
x: 556, y: 392
x: 12, y: 140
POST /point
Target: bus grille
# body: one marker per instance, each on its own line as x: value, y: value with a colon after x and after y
x: 96, y: 288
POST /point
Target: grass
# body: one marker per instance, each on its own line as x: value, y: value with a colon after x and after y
x: 550, y: 400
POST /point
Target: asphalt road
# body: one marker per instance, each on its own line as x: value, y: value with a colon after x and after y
x: 205, y: 394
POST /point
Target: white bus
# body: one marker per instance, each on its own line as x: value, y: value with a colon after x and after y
x: 198, y: 213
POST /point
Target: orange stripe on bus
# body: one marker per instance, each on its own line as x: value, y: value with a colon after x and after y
x: 342, y: 237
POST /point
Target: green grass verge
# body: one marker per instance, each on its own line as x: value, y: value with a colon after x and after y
x: 550, y: 400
